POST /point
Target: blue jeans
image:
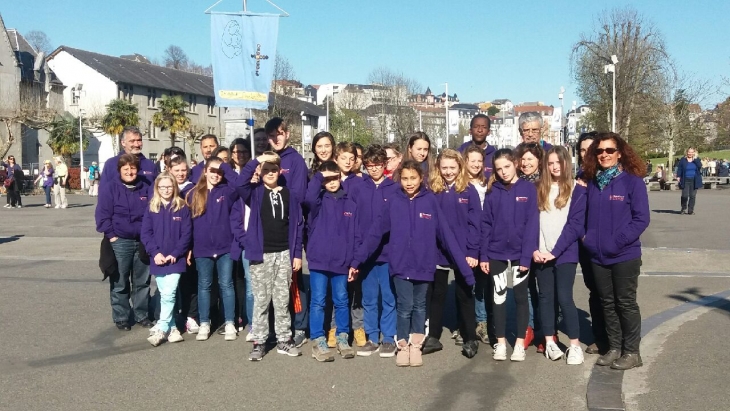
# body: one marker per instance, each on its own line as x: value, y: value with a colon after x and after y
x: 167, y: 287
x: 411, y: 307
x: 47, y: 190
x: 482, y: 296
x: 224, y: 267
x: 376, y: 282
x: 126, y: 251
x: 318, y: 281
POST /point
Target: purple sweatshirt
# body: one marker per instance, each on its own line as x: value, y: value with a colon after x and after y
x: 196, y: 172
x: 147, y: 169
x: 615, y: 219
x: 238, y: 218
x: 169, y: 233
x: 253, y: 195
x: 464, y: 218
x: 565, y: 249
x: 369, y: 199
x: 294, y: 172
x: 119, y: 210
x: 510, y: 223
x: 351, y: 182
x: 415, y: 225
x: 331, y: 228
x: 488, y: 154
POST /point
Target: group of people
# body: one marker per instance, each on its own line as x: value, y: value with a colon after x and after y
x: 715, y: 167
x: 379, y: 244
x: 50, y: 178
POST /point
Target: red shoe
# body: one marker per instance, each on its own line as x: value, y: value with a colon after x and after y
x: 529, y: 336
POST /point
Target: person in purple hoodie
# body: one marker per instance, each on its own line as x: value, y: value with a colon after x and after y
x: 376, y: 281
x: 166, y: 234
x: 131, y: 144
x: 273, y: 244
x: 479, y: 129
x: 119, y: 213
x: 510, y: 228
x: 562, y: 216
x: 416, y: 225
x: 617, y: 213
x: 210, y: 204
x: 449, y: 182
x: 333, y: 235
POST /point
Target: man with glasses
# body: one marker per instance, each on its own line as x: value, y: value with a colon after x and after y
x: 479, y: 128
x: 530, y: 126
x: 131, y: 144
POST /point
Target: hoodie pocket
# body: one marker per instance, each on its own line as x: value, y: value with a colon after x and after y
x: 589, y: 242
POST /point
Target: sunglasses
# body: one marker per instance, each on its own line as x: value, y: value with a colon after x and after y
x: 609, y: 150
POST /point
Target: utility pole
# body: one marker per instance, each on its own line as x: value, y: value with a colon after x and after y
x: 446, y: 105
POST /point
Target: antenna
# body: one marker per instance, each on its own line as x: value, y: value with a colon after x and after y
x: 284, y: 13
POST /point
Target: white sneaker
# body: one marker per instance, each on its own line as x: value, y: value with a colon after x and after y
x: 8, y: 206
x: 154, y: 329
x: 20, y: 206
x: 203, y: 332
x: 552, y: 351
x: 157, y: 338
x: 57, y: 206
x: 518, y: 354
x: 175, y: 336
x: 231, y: 333
x: 64, y: 206
x: 575, y: 355
x: 500, y: 352
x: 192, y: 326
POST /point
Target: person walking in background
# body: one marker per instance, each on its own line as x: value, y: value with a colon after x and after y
x: 59, y: 183
x: 94, y: 176
x: 46, y: 179
x: 617, y: 213
x: 689, y: 179
x: 13, y: 183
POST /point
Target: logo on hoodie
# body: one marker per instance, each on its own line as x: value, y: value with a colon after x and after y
x: 463, y: 201
x: 176, y: 218
x: 347, y: 214
x: 425, y: 216
x: 521, y: 199
x: 143, y: 198
x: 146, y: 172
x: 616, y: 198
x: 284, y: 171
x: 219, y: 199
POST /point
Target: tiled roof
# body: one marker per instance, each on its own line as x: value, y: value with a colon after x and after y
x: 121, y: 70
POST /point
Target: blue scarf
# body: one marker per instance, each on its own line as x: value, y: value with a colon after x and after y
x: 603, y: 177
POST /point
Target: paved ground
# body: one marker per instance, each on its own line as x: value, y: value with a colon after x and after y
x: 61, y: 351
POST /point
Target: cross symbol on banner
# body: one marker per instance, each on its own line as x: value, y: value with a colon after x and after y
x: 258, y: 56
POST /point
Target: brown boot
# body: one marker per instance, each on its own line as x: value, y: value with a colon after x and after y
x: 402, y: 359
x: 416, y: 343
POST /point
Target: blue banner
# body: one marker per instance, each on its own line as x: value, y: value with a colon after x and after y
x: 243, y: 54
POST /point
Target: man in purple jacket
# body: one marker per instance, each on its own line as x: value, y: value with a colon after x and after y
x: 131, y: 144
x: 479, y: 129
x: 208, y: 144
x: 530, y: 126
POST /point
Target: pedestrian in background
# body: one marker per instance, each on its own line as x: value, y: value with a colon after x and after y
x: 46, y: 179
x: 59, y: 183
x: 94, y: 176
x: 13, y: 183
x: 689, y: 179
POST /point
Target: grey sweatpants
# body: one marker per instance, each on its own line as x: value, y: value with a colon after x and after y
x: 270, y: 281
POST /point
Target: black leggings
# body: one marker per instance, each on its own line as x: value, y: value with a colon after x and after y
x: 13, y: 196
x: 466, y: 317
x: 500, y: 272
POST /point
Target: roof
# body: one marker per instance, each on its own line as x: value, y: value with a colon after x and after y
x: 500, y: 101
x: 524, y: 109
x: 25, y: 54
x: 120, y: 70
x: 296, y: 105
x: 462, y: 106
x: 136, y: 57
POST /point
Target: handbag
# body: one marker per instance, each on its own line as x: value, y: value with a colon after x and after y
x: 8, y: 182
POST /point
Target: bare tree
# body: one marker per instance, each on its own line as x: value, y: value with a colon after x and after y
x: 40, y: 41
x: 175, y: 57
x: 392, y: 90
x: 643, y: 66
x: 283, y: 70
x: 29, y: 108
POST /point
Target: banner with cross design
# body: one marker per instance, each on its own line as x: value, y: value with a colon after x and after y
x: 243, y: 54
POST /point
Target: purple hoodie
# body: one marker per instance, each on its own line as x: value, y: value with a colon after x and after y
x: 464, y: 219
x: 119, y: 210
x: 415, y: 225
x: 351, y: 182
x: 565, y: 249
x: 331, y: 228
x: 369, y: 199
x: 252, y: 195
x: 488, y: 154
x: 238, y: 218
x: 294, y: 172
x: 147, y: 169
x: 196, y: 172
x: 510, y: 223
x: 615, y: 219
x: 169, y: 233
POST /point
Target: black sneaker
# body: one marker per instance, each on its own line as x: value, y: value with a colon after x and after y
x: 470, y: 349
x: 368, y: 349
x: 146, y: 323
x: 431, y: 345
x: 123, y: 325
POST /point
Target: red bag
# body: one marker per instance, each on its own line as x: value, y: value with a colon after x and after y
x: 8, y: 182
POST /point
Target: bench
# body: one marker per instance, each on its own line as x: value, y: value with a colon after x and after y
x: 709, y: 185
x: 654, y: 186
x: 672, y: 185
x: 716, y: 180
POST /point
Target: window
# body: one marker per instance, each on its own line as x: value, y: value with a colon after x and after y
x: 152, y: 156
x: 151, y: 97
x: 211, y: 106
x: 192, y: 103
x: 151, y: 131
x: 125, y: 92
x: 211, y: 130
x: 74, y: 97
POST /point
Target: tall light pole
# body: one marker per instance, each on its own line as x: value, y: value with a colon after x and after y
x: 446, y: 105
x: 611, y: 68
x: 562, y: 108
x: 303, y: 118
x: 352, y: 129
x: 79, y: 86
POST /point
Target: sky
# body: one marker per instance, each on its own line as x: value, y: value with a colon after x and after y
x: 484, y: 50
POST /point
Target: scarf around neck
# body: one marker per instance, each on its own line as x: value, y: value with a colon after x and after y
x: 531, y: 178
x: 603, y: 177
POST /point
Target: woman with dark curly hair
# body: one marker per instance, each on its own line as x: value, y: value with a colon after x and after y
x: 617, y: 214
x: 323, y: 148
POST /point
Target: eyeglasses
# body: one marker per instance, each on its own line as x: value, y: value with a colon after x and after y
x: 164, y: 188
x: 609, y: 150
x: 374, y: 165
x: 531, y: 131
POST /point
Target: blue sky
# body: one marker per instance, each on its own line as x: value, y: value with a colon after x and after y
x: 484, y: 50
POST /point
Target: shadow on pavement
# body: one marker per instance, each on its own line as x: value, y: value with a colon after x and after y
x: 11, y: 238
x: 465, y: 382
x: 666, y: 211
x: 692, y: 295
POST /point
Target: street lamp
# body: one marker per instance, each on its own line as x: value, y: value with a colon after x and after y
x: 77, y: 93
x: 352, y: 129
x: 303, y: 119
x: 562, y: 126
x: 611, y: 68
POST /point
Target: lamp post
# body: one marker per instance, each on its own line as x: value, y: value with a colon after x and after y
x: 611, y: 68
x: 562, y: 108
x: 77, y: 93
x: 352, y: 129
x: 446, y: 105
x: 303, y: 118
